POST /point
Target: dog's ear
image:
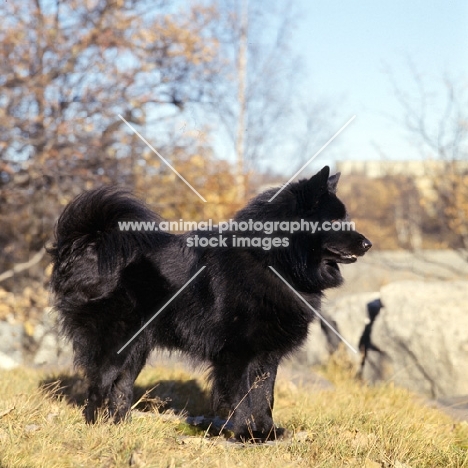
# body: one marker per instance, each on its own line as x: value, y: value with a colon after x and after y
x: 308, y: 192
x: 333, y: 182
x: 318, y: 183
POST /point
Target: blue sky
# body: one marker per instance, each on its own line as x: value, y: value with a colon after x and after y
x: 348, y: 45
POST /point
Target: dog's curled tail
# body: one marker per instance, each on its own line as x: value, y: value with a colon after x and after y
x: 91, y: 227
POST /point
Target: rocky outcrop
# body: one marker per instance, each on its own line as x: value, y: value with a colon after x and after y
x: 422, y: 333
x: 11, y: 344
x: 32, y: 343
x: 414, y: 333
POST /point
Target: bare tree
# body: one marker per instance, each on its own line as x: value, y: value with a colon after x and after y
x: 67, y: 69
x: 435, y: 119
x: 255, y: 91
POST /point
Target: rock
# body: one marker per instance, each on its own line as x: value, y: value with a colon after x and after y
x: 11, y: 345
x: 51, y: 347
x: 350, y: 316
x: 299, y: 376
x: 315, y: 350
x: 422, y: 332
x: 456, y: 407
x: 36, y: 343
x: 6, y: 362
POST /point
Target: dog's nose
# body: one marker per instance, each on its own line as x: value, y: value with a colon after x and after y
x: 366, y: 244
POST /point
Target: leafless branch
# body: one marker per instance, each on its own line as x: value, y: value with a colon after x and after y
x: 18, y: 268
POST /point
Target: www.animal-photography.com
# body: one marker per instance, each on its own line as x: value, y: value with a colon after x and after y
x: 233, y: 234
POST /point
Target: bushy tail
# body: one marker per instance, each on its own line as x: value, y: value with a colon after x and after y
x: 88, y: 235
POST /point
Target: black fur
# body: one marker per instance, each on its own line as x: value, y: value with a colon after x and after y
x: 236, y: 315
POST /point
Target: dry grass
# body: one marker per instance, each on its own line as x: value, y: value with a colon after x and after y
x: 353, y: 425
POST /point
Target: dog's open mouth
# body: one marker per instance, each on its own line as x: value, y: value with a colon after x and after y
x: 335, y: 256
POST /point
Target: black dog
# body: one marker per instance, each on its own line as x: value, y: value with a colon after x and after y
x: 237, y: 314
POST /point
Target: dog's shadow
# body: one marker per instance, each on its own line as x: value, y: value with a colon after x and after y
x: 181, y: 396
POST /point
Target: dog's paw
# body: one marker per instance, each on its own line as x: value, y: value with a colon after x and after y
x: 274, y: 434
x: 280, y: 433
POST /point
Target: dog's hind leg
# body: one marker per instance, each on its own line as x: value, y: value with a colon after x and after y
x: 100, y: 385
x: 111, y: 378
x: 121, y: 394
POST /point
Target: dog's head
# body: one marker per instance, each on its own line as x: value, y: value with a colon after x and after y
x: 326, y: 238
x: 332, y: 238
